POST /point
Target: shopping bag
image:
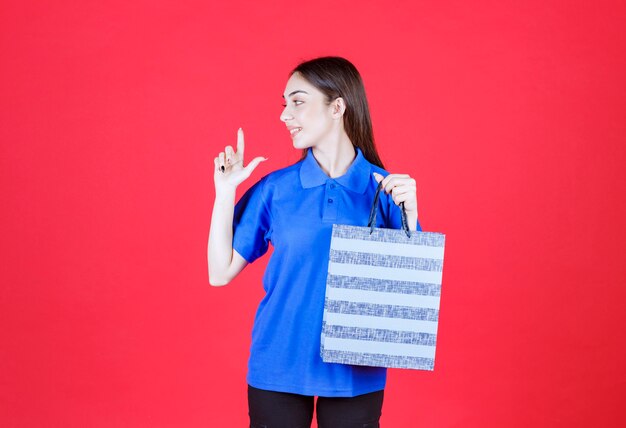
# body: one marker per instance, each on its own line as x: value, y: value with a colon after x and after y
x: 382, y: 295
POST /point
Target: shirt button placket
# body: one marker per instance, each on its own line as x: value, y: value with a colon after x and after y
x: 330, y: 201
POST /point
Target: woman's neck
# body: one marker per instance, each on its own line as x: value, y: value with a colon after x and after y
x: 335, y: 157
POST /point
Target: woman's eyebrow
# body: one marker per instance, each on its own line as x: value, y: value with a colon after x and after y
x: 295, y: 92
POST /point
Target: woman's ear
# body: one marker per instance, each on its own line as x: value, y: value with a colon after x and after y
x: 339, y: 107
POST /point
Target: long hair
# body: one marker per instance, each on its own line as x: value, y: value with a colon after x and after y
x: 337, y: 77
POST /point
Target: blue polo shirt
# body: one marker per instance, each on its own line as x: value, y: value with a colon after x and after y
x: 294, y: 209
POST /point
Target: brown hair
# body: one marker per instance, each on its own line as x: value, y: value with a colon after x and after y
x: 337, y: 77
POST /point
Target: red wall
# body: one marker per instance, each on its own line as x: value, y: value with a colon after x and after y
x: 510, y: 116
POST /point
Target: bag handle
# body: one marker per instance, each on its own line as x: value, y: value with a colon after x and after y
x: 372, y: 221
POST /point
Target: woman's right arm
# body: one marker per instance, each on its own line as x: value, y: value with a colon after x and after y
x: 224, y: 262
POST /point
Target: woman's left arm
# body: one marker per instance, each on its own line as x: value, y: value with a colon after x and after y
x: 403, y: 189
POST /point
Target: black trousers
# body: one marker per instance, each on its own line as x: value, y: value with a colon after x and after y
x: 271, y: 409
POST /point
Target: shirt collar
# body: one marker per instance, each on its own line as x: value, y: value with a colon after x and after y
x: 356, y: 177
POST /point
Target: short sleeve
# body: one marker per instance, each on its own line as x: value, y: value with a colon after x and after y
x: 252, y: 223
x: 395, y: 216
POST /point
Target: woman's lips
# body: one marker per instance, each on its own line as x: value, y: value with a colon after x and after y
x: 295, y: 131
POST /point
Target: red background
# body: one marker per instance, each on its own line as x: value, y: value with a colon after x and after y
x: 510, y: 116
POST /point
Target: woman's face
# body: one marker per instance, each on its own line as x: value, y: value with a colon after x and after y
x: 305, y: 108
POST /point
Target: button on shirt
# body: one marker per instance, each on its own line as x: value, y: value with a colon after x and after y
x: 294, y: 209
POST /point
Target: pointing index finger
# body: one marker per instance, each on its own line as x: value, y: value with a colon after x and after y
x: 240, y: 144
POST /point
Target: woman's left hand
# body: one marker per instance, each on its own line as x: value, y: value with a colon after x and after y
x: 403, y: 189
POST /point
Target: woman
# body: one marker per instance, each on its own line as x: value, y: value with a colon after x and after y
x: 294, y: 208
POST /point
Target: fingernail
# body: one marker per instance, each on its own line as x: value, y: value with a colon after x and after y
x: 222, y: 168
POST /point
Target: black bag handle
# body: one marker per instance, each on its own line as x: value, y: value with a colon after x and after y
x: 372, y: 221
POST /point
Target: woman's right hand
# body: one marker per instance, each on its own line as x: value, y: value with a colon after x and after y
x: 229, y: 170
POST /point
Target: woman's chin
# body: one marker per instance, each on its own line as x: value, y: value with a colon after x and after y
x: 300, y: 144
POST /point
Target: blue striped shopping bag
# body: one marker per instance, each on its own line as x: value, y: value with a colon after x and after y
x: 382, y: 295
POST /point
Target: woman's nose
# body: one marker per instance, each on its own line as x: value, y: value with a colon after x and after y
x: 285, y: 115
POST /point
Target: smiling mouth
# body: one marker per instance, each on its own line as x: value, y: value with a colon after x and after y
x: 295, y: 131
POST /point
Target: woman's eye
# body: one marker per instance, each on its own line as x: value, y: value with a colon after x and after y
x: 295, y: 102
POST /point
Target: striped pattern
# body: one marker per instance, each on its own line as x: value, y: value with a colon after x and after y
x: 382, y: 297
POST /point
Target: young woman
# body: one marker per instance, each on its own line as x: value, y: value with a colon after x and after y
x: 327, y: 116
